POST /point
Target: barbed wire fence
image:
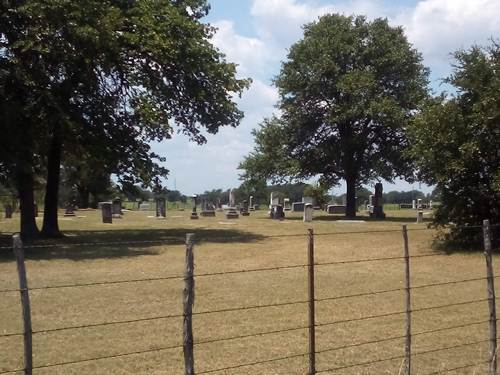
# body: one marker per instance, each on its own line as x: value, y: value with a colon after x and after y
x: 189, y: 342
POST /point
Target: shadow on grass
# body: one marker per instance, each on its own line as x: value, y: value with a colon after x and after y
x: 85, y: 245
x: 326, y: 217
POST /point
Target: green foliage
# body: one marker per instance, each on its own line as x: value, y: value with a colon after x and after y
x: 102, y: 79
x: 348, y: 90
x: 318, y: 193
x: 456, y: 143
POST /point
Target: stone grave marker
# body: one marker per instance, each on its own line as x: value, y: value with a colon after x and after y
x: 308, y: 212
x: 116, y: 208
x: 298, y: 206
x: 377, y: 211
x: 161, y: 208
x: 244, y: 209
x: 107, y: 215
x: 194, y: 214
x: 8, y: 211
x: 336, y: 209
x: 70, y: 210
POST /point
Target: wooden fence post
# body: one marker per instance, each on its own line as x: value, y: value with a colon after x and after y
x: 17, y: 245
x: 491, y: 298
x: 188, y: 307
x: 312, y: 323
x: 406, y: 252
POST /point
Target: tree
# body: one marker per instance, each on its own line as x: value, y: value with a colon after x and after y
x: 456, y: 142
x: 347, y: 91
x: 318, y: 193
x: 106, y: 77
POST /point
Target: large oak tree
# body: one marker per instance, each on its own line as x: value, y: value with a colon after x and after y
x: 347, y: 91
x: 105, y: 78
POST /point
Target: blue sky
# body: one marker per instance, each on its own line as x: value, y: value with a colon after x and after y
x: 255, y: 34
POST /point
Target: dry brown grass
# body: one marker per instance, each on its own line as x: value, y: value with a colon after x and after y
x: 242, y: 245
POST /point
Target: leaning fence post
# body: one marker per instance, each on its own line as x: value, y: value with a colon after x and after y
x: 312, y: 324
x: 491, y: 298
x: 406, y: 252
x: 17, y: 245
x: 188, y: 307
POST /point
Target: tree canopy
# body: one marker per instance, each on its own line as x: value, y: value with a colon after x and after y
x: 347, y: 91
x: 456, y: 142
x: 102, y: 79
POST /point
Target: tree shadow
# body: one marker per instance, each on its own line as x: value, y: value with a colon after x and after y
x: 326, y: 217
x: 85, y: 245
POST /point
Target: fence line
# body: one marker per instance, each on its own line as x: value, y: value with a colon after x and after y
x: 190, y: 342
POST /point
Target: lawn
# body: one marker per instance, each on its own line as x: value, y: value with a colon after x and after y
x: 247, y: 243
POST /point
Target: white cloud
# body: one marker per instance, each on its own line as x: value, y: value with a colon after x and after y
x: 251, y: 54
x: 439, y: 27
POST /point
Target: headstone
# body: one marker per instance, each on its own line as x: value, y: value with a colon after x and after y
x: 161, y: 208
x: 232, y: 213
x: 250, y: 204
x: 277, y: 212
x: 420, y: 216
x: 231, y: 198
x: 298, y: 206
x: 70, y: 210
x: 378, y: 208
x: 286, y: 204
x: 244, y: 209
x: 414, y: 204
x: 144, y: 207
x: 107, y: 215
x: 419, y: 204
x: 116, y: 208
x: 336, y: 209
x: 8, y: 211
x: 308, y: 212
x: 208, y: 210
x: 271, y: 201
x: 194, y: 214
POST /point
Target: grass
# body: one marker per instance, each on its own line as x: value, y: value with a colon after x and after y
x: 248, y: 243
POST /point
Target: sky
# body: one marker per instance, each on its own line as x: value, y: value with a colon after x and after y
x: 255, y: 34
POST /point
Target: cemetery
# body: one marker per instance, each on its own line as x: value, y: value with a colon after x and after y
x: 297, y: 242
x: 253, y: 242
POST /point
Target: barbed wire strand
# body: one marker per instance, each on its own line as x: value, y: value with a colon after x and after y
x: 457, y: 368
x: 167, y: 317
x: 253, y: 363
x: 402, y: 356
x: 401, y: 312
x: 400, y: 337
x: 108, y: 357
x: 376, y: 292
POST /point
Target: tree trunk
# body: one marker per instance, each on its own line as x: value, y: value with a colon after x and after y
x: 50, y: 227
x: 350, y: 211
x: 25, y: 186
x: 83, y: 196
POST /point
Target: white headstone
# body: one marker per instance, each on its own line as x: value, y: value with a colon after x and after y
x: 414, y: 204
x: 231, y: 198
x: 308, y: 212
